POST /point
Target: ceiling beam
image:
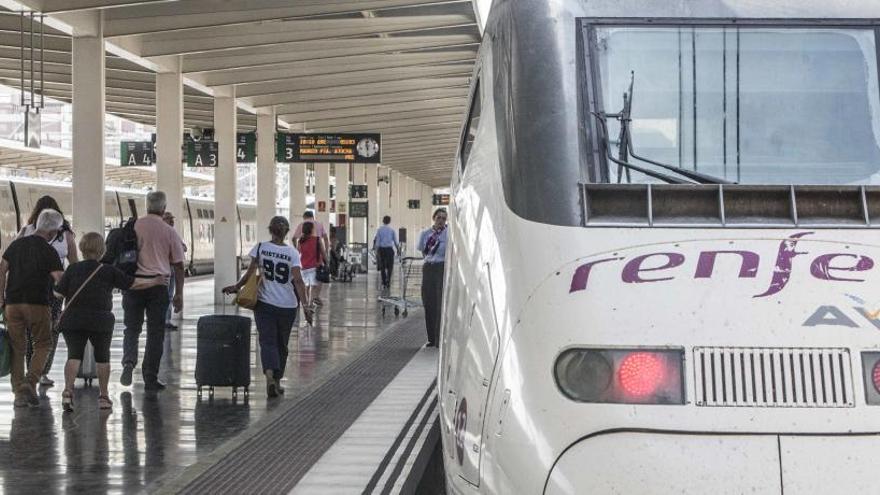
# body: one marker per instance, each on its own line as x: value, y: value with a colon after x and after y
x: 344, y: 65
x: 188, y: 15
x: 359, y: 90
x: 376, y: 111
x: 208, y: 39
x: 63, y: 6
x: 323, y: 50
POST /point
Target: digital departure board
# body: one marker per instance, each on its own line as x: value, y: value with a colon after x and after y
x: 359, y: 210
x: 344, y: 148
x: 441, y: 200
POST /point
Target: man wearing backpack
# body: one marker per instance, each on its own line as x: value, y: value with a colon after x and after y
x: 159, y: 254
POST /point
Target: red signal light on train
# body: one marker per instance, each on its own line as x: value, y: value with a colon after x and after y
x: 641, y: 374
x: 621, y: 376
x: 875, y: 376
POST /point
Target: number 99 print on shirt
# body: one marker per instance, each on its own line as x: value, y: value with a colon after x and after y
x: 276, y: 263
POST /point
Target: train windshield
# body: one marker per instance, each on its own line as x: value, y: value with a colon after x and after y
x: 751, y: 105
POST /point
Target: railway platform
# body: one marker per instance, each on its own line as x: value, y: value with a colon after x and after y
x: 359, y: 413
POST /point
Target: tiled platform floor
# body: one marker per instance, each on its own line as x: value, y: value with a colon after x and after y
x: 150, y: 438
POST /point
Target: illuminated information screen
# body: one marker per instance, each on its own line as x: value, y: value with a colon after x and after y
x: 348, y: 148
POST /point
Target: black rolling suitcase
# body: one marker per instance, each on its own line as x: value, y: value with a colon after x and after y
x: 223, y: 357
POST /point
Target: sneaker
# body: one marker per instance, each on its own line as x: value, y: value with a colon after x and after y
x: 154, y: 386
x: 45, y: 381
x: 104, y: 403
x: 20, y: 401
x: 67, y: 400
x: 125, y: 379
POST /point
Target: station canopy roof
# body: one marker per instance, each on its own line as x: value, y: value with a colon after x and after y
x: 398, y: 67
x: 17, y: 156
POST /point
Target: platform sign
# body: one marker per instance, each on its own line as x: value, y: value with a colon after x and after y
x: 414, y: 204
x: 359, y: 210
x: 246, y: 147
x: 202, y: 154
x: 136, y: 154
x: 338, y: 148
x: 441, y: 200
x: 359, y: 192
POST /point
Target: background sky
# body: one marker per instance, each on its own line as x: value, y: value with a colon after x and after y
x: 483, y: 6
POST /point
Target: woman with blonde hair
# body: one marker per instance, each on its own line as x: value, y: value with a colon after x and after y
x: 87, y: 286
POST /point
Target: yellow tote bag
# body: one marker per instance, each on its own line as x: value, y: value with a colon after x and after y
x: 247, y: 295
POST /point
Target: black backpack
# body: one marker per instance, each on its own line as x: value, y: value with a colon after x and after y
x: 122, y: 248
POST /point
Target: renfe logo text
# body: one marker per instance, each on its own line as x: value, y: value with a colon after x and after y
x: 656, y: 267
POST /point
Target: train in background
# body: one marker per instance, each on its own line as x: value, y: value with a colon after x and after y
x: 18, y: 196
x: 663, y: 270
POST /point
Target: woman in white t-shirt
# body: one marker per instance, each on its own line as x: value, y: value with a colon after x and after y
x: 281, y: 289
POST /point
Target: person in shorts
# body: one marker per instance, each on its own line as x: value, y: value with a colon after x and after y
x: 319, y: 232
x: 281, y: 290
x: 89, y: 317
x: 312, y: 256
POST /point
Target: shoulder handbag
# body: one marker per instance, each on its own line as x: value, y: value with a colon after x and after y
x: 322, y: 273
x: 75, y: 294
x: 247, y: 295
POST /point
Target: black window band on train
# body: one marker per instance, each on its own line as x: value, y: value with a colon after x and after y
x: 545, y: 77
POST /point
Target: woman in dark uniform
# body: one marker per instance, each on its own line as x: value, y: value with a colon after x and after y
x: 432, y: 244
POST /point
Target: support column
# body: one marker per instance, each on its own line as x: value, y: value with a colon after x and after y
x: 398, y: 205
x: 358, y: 225
x: 225, y: 193
x: 322, y: 193
x: 297, y: 192
x: 169, y: 136
x: 384, y: 192
x: 267, y: 188
x: 88, y: 125
x: 343, y: 198
x: 427, y: 204
x: 373, y: 199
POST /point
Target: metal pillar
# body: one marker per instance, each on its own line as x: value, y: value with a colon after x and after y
x: 225, y: 193
x: 267, y: 188
x: 169, y: 136
x: 88, y: 126
x: 358, y: 225
x: 343, y: 201
x: 322, y: 193
x: 374, y: 220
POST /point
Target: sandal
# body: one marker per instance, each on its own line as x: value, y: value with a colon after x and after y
x: 104, y: 403
x: 67, y: 400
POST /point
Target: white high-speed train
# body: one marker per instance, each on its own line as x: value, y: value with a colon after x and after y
x: 664, y: 263
x: 18, y: 196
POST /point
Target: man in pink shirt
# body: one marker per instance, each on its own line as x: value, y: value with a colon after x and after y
x: 160, y: 253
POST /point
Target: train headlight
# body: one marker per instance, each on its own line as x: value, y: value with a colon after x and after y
x: 622, y: 376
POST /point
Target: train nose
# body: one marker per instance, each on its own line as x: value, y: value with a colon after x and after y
x: 634, y: 462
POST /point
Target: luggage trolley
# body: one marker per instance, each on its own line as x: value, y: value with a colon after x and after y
x: 410, y: 273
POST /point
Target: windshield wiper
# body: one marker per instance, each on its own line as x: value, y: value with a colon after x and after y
x: 622, y: 164
x: 625, y: 147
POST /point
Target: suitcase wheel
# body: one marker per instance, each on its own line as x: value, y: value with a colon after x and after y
x: 397, y: 312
